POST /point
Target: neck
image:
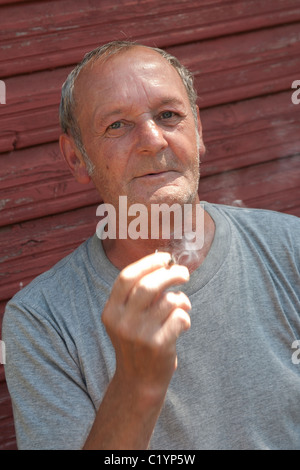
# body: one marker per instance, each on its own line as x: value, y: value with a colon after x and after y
x: 191, y: 253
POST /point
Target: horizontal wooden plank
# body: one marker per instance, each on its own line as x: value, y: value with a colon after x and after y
x: 249, y: 132
x: 50, y: 34
x: 273, y: 185
x: 30, y: 115
x: 33, y: 246
x: 9, y: 442
x: 7, y: 430
x: 236, y: 135
x: 226, y: 70
x: 7, y: 2
x: 241, y: 66
x: 36, y: 245
x: 44, y: 185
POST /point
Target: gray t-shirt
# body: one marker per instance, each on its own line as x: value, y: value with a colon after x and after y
x: 236, y: 385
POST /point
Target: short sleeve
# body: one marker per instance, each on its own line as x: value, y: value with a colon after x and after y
x: 51, y: 405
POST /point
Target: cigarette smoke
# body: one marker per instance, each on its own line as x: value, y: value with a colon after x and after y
x: 186, y: 251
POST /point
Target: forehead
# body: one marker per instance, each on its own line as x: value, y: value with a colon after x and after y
x: 130, y: 75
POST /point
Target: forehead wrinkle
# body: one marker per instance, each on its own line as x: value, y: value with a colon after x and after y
x: 89, y: 74
x: 154, y: 103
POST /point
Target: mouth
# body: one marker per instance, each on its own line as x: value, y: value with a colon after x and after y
x: 155, y: 173
x: 159, y: 178
x: 158, y: 173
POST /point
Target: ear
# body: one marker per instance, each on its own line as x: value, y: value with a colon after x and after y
x: 202, y: 148
x: 74, y: 159
x: 199, y: 124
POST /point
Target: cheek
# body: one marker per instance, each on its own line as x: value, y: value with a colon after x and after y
x: 186, y: 137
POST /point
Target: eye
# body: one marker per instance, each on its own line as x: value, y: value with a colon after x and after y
x: 118, y: 128
x: 115, y: 125
x: 167, y: 114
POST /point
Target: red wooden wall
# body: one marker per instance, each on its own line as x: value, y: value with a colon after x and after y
x: 245, y: 56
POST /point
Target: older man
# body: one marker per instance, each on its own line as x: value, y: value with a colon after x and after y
x: 117, y: 346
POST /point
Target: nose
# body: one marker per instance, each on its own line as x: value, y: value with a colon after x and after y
x: 150, y: 137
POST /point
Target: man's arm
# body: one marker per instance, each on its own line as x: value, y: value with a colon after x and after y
x: 51, y: 404
x: 143, y: 322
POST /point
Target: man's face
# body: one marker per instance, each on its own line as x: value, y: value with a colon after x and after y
x: 138, y: 129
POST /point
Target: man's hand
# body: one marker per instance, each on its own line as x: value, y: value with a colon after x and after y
x: 143, y: 321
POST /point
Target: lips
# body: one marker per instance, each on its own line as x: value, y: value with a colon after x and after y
x: 154, y: 173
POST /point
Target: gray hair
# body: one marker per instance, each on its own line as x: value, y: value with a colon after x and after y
x: 67, y: 115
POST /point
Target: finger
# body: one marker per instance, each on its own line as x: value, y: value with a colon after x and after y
x: 177, y: 322
x: 135, y: 271
x: 150, y: 287
x: 168, y: 302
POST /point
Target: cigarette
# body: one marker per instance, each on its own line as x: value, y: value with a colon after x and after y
x: 171, y: 261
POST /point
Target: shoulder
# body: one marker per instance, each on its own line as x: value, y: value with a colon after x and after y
x: 53, y: 283
x: 263, y: 218
x: 270, y: 230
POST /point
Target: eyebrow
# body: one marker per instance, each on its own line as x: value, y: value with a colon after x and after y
x: 104, y: 117
x: 100, y: 120
x: 117, y: 111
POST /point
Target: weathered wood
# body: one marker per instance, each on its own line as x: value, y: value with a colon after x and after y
x: 245, y: 56
x: 269, y: 185
x: 2, y: 373
x: 7, y: 430
x: 57, y: 33
x: 7, y: 2
x: 37, y: 182
x: 249, y: 132
x: 30, y: 116
x: 226, y: 70
x: 238, y: 67
x: 32, y: 247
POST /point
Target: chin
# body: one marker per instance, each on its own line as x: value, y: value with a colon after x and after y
x: 170, y: 198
